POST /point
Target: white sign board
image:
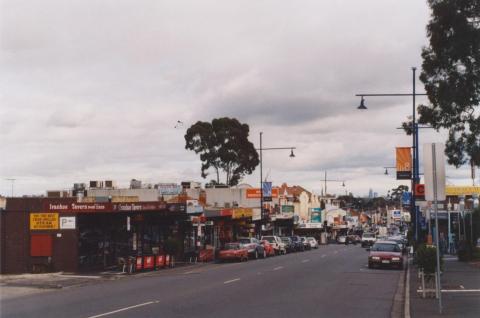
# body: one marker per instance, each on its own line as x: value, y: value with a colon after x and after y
x: 396, y: 214
x: 431, y: 152
x: 67, y: 223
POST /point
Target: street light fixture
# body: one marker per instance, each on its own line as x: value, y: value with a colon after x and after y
x: 362, y: 104
x: 386, y: 170
x: 261, y: 149
x: 415, y: 175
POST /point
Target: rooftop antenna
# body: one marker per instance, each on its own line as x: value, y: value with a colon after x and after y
x: 12, y: 180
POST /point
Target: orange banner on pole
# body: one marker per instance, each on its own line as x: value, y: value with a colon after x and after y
x: 404, y: 163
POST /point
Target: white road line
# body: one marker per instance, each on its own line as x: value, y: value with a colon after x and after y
x: 80, y: 276
x: 462, y: 287
x: 123, y: 309
x: 231, y: 281
x: 452, y: 290
x: 278, y: 268
x: 305, y: 261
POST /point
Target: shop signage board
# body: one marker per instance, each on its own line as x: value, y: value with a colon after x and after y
x: 459, y: 190
x: 397, y: 214
x: 107, y: 207
x: 169, y: 188
x: 288, y: 208
x: 254, y: 193
x: 43, y: 221
x: 404, y: 163
x: 194, y: 207
x: 67, y: 223
x: 242, y: 213
x: 267, y: 191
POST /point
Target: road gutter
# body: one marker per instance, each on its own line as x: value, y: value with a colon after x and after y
x: 406, y: 309
x: 398, y: 306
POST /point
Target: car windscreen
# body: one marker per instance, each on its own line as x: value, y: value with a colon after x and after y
x: 385, y: 247
x: 231, y: 246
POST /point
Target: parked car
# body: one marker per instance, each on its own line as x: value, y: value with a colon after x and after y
x: 368, y: 239
x: 289, y: 245
x: 255, y: 249
x: 313, y: 242
x: 233, y: 251
x: 297, y: 241
x: 351, y: 239
x: 306, y: 244
x: 385, y: 254
x: 401, y: 243
x: 277, y: 244
x: 269, y: 249
x: 342, y: 239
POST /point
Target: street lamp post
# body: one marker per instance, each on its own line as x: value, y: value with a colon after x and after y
x: 415, y: 171
x: 261, y: 149
x: 329, y: 180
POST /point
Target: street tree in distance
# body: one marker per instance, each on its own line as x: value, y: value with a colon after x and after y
x: 451, y: 75
x: 223, y: 145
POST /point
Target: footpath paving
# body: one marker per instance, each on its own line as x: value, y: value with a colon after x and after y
x: 12, y: 286
x: 460, y: 291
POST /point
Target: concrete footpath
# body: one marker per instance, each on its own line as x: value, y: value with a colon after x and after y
x: 460, y: 291
x: 12, y: 286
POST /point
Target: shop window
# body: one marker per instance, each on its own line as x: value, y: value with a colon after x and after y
x: 41, y: 245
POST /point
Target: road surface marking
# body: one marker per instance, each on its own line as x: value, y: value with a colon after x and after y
x: 231, y: 281
x: 123, y: 309
x: 305, y: 261
x: 462, y: 287
x: 451, y: 290
x: 277, y: 268
x: 80, y: 276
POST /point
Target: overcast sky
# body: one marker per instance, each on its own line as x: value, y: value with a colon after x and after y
x: 92, y: 90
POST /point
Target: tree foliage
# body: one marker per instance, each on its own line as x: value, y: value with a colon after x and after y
x: 451, y: 75
x: 223, y: 145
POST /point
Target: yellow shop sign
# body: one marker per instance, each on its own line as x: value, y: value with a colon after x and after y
x: 239, y: 213
x: 43, y: 221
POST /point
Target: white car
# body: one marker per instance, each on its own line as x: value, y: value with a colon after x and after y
x: 312, y: 241
x: 277, y: 244
x: 341, y: 239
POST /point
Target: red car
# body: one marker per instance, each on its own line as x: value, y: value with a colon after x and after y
x: 233, y: 251
x: 269, y: 249
x: 385, y: 254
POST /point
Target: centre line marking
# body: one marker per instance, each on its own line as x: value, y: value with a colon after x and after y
x: 231, y: 281
x: 277, y: 268
x: 122, y: 309
x: 305, y: 260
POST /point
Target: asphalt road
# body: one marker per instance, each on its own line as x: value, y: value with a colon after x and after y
x: 332, y: 281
